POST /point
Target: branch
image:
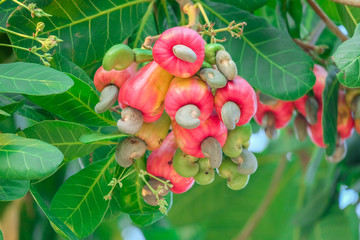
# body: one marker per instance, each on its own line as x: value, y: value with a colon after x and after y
x: 327, y: 20
x: 268, y: 198
x: 355, y: 3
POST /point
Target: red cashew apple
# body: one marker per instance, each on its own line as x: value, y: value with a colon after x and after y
x: 160, y: 164
x: 274, y: 116
x: 180, y: 51
x: 345, y: 122
x: 104, y: 78
x: 204, y: 141
x: 189, y: 101
x: 236, y: 103
x: 142, y: 97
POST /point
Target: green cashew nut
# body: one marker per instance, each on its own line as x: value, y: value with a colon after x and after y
x: 142, y: 55
x: 247, y: 163
x: 118, y: 57
x: 185, y: 165
x: 235, y: 180
x: 213, y: 78
x: 237, y: 139
x: 210, y: 52
x: 206, y: 175
x: 205, y: 64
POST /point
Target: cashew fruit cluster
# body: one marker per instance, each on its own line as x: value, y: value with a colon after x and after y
x: 186, y: 106
x: 273, y: 114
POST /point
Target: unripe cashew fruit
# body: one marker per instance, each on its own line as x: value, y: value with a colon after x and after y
x: 210, y: 52
x: 185, y: 165
x: 247, y: 162
x: 206, y: 174
x: 147, y: 194
x: 236, y: 139
x: 226, y: 65
x: 129, y: 149
x: 235, y: 180
x: 118, y: 57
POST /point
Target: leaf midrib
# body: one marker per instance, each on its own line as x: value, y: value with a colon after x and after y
x: 249, y: 43
x: 96, y: 15
x: 91, y: 187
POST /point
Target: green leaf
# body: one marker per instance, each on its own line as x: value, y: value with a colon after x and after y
x: 147, y: 219
x: 35, y: 113
x: 329, y: 121
x: 97, y: 136
x: 147, y: 27
x: 26, y: 159
x: 347, y: 58
x: 5, y: 10
x: 75, y: 105
x: 63, y: 135
x: 337, y: 224
x: 80, y: 202
x: 265, y: 56
x: 330, y: 8
x: 10, y: 109
x: 13, y: 189
x: 349, y: 16
x: 244, y: 4
x: 88, y: 29
x: 1, y: 236
x: 50, y: 215
x: 32, y: 79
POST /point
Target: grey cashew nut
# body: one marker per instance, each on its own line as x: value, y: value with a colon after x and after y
x: 226, y: 65
x: 184, y: 53
x: 230, y: 114
x: 211, y: 149
x: 131, y: 121
x: 213, y: 78
x: 188, y: 116
x: 129, y: 149
x: 108, y: 97
x: 247, y: 162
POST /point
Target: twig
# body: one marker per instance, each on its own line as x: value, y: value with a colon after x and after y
x: 268, y: 198
x: 327, y: 20
x: 355, y: 3
x: 310, y: 47
x: 149, y: 41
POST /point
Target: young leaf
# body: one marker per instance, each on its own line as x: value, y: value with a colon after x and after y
x: 26, y: 159
x: 32, y: 79
x: 80, y: 202
x: 330, y: 102
x: 63, y: 135
x: 87, y: 29
x: 265, y: 56
x: 97, y: 136
x: 50, y: 215
x: 13, y: 189
x: 347, y: 58
x: 75, y: 105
